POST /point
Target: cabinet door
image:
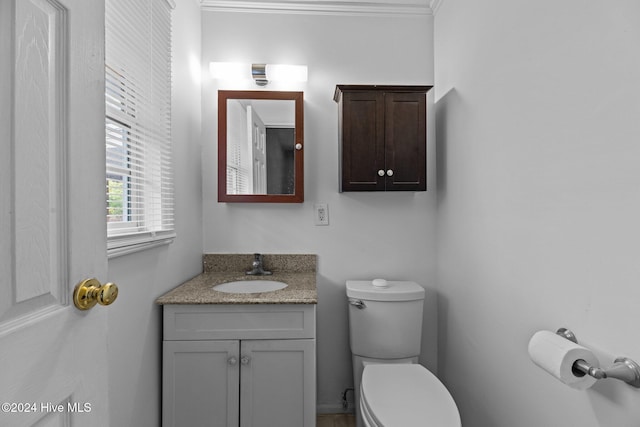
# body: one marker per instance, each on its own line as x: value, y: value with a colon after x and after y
x: 405, y: 141
x: 362, y: 141
x: 200, y: 383
x: 278, y: 383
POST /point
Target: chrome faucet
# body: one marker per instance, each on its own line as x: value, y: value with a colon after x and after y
x: 258, y: 269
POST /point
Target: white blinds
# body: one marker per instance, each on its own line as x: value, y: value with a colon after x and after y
x: 238, y: 148
x: 140, y: 203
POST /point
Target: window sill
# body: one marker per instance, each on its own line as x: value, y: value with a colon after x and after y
x: 125, y: 245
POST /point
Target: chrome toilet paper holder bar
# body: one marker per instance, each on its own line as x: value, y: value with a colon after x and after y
x: 623, y: 368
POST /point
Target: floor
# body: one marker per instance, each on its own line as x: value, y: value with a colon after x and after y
x: 336, y: 420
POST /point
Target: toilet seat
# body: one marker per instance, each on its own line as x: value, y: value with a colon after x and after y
x: 399, y: 395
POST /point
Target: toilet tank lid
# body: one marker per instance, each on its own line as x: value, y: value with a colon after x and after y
x: 395, y: 291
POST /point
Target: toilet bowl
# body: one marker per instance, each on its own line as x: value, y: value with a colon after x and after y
x: 405, y: 395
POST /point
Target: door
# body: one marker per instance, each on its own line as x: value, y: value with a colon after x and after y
x: 277, y: 383
x: 52, y: 212
x: 258, y: 135
x: 405, y: 141
x: 200, y: 383
x: 363, y: 141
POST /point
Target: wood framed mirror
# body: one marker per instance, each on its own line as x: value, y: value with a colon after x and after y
x: 260, y: 146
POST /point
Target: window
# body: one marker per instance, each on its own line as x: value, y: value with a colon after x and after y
x: 139, y: 185
x: 239, y: 158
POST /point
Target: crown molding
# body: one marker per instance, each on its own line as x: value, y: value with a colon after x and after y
x: 434, y: 5
x: 315, y: 7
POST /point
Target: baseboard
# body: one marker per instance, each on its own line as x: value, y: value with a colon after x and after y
x: 331, y: 408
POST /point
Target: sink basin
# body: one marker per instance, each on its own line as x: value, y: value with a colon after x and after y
x: 250, y: 286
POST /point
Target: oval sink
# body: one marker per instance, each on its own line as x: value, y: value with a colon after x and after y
x: 250, y: 286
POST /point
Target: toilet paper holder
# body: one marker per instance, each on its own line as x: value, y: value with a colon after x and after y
x: 623, y: 368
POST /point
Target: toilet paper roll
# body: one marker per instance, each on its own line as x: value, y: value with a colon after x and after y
x: 556, y: 355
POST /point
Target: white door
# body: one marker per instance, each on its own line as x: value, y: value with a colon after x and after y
x: 53, y: 363
x: 258, y: 135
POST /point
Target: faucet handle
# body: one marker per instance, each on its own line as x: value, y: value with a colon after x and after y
x: 257, y: 260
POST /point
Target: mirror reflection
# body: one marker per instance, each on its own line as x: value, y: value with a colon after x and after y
x: 260, y: 146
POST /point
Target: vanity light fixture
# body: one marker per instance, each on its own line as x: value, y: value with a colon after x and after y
x: 262, y: 74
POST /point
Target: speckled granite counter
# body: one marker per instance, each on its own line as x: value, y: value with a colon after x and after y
x: 297, y: 271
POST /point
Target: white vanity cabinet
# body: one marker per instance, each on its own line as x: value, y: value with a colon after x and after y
x: 239, y: 365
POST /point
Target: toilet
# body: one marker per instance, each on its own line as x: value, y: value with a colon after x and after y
x: 391, y: 388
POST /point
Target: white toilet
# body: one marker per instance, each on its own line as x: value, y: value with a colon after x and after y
x: 391, y: 389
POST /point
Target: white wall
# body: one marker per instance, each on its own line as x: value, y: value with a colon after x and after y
x: 539, y: 199
x: 135, y: 322
x: 370, y: 235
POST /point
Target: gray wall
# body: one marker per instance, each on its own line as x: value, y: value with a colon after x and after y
x: 537, y: 198
x: 135, y: 322
x: 370, y: 235
x: 538, y: 203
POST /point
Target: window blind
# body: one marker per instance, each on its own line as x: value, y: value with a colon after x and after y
x: 238, y: 148
x: 140, y: 206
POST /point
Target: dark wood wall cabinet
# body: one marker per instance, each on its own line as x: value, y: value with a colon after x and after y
x: 383, y: 137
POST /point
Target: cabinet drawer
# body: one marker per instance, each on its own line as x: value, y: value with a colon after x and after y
x: 238, y: 321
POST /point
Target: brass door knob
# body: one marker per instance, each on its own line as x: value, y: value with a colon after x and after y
x: 89, y: 292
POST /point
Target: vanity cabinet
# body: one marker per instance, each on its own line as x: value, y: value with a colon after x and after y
x: 239, y: 365
x: 383, y: 137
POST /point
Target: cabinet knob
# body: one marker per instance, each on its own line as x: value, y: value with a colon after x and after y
x: 245, y: 360
x: 298, y: 146
x: 390, y: 172
x: 381, y: 172
x: 233, y: 361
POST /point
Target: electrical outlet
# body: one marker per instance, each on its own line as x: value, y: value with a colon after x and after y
x: 321, y: 214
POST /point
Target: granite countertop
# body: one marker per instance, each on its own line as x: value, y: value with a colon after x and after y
x: 297, y: 271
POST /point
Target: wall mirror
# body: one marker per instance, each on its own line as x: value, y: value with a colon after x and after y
x: 260, y: 146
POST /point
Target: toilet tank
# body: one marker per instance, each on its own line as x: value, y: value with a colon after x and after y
x: 385, y: 322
